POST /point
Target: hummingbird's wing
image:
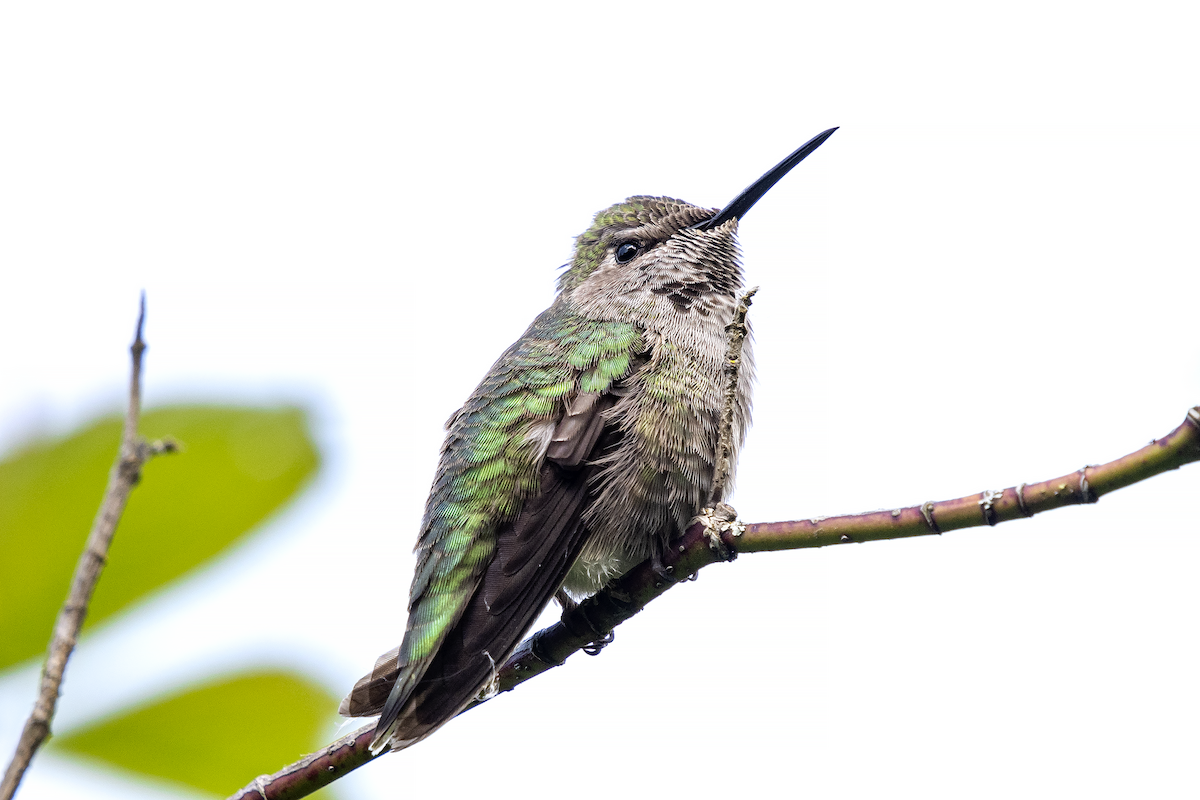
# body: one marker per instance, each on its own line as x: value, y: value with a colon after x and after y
x: 502, y: 524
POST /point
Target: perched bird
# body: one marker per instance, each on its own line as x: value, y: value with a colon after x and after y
x: 588, y: 445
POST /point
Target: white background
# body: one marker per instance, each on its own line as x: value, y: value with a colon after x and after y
x: 989, y: 275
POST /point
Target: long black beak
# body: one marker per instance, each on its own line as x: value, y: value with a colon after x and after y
x: 742, y: 203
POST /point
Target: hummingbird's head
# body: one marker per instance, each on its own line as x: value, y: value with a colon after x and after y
x: 644, y: 243
x: 643, y: 250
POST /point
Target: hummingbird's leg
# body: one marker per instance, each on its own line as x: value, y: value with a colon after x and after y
x: 565, y: 602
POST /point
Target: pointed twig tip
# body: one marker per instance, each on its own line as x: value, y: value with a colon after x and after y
x: 138, y: 343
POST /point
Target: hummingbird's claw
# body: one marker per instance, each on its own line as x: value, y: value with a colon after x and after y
x: 718, y: 520
x: 594, y: 648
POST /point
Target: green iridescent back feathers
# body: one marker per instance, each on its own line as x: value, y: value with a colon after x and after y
x: 490, y: 463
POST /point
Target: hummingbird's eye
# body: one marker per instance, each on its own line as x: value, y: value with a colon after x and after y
x: 627, y: 251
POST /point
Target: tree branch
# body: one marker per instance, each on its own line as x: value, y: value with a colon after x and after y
x: 629, y: 594
x: 125, y: 474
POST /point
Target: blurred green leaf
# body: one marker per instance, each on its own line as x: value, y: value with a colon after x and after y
x: 217, y: 737
x: 238, y: 465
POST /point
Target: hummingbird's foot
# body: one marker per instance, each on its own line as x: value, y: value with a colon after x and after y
x: 573, y: 615
x: 717, y: 521
x: 662, y: 572
x: 594, y: 648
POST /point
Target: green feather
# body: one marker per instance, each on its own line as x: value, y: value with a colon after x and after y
x: 490, y: 464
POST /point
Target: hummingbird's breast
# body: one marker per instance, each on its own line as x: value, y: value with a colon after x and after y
x: 659, y: 474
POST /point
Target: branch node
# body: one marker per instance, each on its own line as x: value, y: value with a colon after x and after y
x: 131, y: 463
x: 987, y: 504
x: 927, y: 513
x: 1085, y: 488
x: 163, y: 445
x: 1021, y: 500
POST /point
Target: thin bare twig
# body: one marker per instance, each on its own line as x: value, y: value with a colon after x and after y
x: 124, y: 476
x: 314, y: 771
x: 629, y: 594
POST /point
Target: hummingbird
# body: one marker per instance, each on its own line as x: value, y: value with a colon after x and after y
x: 586, y: 448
